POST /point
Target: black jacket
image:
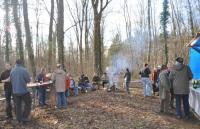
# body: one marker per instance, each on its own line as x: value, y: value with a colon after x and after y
x: 145, y: 72
x: 127, y: 76
x: 7, y: 85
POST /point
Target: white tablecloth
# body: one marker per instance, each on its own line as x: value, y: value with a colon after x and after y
x: 37, y: 84
x: 194, y: 100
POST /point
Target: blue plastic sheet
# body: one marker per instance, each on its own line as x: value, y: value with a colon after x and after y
x: 195, y: 59
x: 196, y: 42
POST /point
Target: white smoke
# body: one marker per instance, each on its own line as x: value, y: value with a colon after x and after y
x: 118, y: 65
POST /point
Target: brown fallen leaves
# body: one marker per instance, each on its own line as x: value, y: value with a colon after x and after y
x: 103, y: 110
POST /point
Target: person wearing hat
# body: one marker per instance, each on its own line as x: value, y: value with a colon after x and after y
x: 180, y: 77
x: 59, y: 78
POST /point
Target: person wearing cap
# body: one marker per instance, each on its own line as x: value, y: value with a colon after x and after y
x: 164, y: 89
x: 59, y: 78
x: 19, y: 78
x: 180, y: 77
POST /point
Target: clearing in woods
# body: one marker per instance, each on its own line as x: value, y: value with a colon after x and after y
x: 103, y: 110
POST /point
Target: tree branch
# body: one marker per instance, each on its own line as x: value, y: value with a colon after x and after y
x: 103, y: 7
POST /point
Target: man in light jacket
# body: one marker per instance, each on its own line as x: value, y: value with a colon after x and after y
x: 180, y: 77
x: 59, y: 78
x: 164, y: 89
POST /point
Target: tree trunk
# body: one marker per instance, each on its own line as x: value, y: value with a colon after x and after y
x: 7, y: 33
x: 97, y: 45
x: 149, y: 30
x: 54, y: 45
x: 37, y: 43
x: 98, y: 9
x: 81, y: 22
x: 166, y: 52
x: 191, y: 19
x: 1, y: 59
x: 60, y: 31
x: 29, y: 39
x: 50, y: 38
x: 174, y: 32
x: 19, y: 44
x: 86, y: 34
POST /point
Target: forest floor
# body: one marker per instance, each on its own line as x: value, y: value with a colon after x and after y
x: 105, y: 110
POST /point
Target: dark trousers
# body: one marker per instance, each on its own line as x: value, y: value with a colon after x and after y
x: 42, y: 96
x: 172, y: 98
x: 21, y: 115
x: 8, y: 96
x: 185, y: 99
x: 164, y: 103
x: 104, y: 83
x: 127, y: 87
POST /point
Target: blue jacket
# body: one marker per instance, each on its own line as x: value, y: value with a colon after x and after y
x: 19, y: 78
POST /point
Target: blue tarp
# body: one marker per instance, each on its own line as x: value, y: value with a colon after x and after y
x: 195, y: 59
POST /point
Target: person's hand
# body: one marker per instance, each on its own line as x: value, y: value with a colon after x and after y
x: 6, y: 80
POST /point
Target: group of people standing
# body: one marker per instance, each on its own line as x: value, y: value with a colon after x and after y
x: 171, y: 82
x: 15, y: 85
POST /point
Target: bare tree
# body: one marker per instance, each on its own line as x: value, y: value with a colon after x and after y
x: 86, y: 31
x: 174, y: 30
x: 50, y: 37
x: 20, y: 46
x: 149, y: 30
x: 191, y: 18
x: 37, y: 40
x: 1, y: 53
x: 78, y: 19
x: 60, y: 31
x: 29, y: 39
x: 7, y: 30
x: 127, y: 19
x: 98, y: 8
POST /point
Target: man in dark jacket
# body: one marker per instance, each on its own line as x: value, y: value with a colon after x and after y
x: 42, y: 89
x: 147, y: 87
x: 127, y: 78
x: 96, y: 81
x: 180, y: 77
x: 19, y: 78
x: 7, y: 89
